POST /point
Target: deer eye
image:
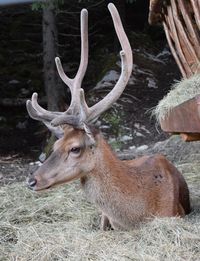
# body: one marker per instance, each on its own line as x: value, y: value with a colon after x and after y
x: 75, y: 150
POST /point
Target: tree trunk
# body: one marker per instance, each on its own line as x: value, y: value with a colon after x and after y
x: 55, y: 89
x: 53, y: 85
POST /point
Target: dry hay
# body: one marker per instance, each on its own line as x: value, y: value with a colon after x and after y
x: 60, y: 225
x: 180, y: 92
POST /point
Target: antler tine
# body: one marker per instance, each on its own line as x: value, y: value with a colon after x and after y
x: 37, y: 112
x: 75, y: 83
x: 126, y: 69
x: 84, y: 48
x: 46, y: 118
x: 68, y: 81
x: 38, y: 108
x: 31, y: 111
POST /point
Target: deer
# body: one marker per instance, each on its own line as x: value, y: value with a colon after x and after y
x: 127, y: 192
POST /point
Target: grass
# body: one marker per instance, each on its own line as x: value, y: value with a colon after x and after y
x: 60, y: 225
x: 180, y: 92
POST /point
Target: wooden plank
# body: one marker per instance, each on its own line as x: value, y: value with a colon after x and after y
x: 184, y: 38
x: 196, y: 8
x: 195, y: 39
x: 175, y: 36
x: 184, y: 118
x: 172, y: 48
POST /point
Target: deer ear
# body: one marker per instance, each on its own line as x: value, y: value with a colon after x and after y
x: 89, y: 134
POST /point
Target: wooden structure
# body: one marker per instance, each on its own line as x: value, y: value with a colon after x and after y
x: 181, y: 22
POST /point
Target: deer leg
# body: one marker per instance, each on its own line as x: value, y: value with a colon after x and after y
x: 116, y: 226
x: 105, y: 223
x: 181, y: 211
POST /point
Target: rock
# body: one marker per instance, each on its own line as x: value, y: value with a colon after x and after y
x: 42, y: 157
x: 2, y: 119
x: 14, y: 82
x: 141, y: 148
x: 105, y: 127
x: 25, y: 92
x: 110, y: 77
x: 126, y: 155
x: 151, y: 83
x: 132, y: 147
x: 164, y: 54
x: 21, y: 125
x: 38, y: 163
x: 138, y: 134
x: 126, y: 138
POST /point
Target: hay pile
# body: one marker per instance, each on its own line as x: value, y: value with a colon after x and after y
x: 60, y: 225
x: 180, y: 92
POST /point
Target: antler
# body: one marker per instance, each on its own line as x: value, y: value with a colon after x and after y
x: 75, y: 83
x: 126, y: 68
x: 91, y: 114
x: 78, y: 113
x: 70, y: 116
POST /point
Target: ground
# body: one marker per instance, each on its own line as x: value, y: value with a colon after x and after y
x: 60, y: 224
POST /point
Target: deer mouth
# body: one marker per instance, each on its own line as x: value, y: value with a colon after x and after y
x: 35, y: 188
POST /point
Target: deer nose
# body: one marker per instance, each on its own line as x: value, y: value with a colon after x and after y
x: 32, y: 182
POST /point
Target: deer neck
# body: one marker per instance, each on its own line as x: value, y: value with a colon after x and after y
x: 107, y: 166
x: 106, y: 176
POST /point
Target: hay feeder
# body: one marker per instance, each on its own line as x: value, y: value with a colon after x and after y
x: 181, y: 22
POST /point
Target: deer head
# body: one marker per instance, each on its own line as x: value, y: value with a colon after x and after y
x: 76, y: 151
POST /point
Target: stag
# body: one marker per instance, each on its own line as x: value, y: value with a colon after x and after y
x: 126, y: 192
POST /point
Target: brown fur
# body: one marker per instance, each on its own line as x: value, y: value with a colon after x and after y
x: 127, y: 192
